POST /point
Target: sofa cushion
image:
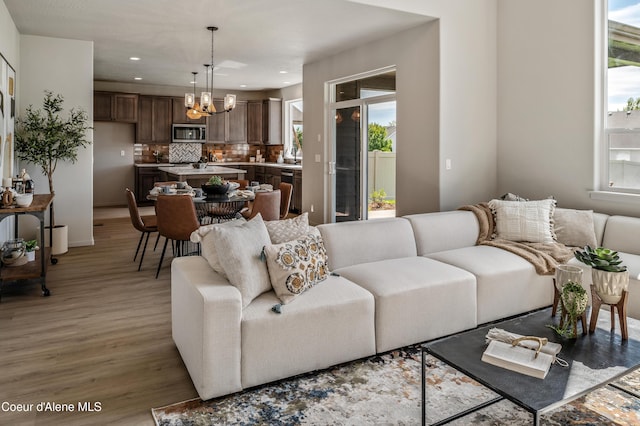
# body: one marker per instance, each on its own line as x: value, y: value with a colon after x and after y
x: 528, y: 221
x: 332, y: 323
x: 281, y: 231
x: 297, y: 265
x: 350, y: 243
x: 622, y: 234
x: 417, y: 299
x: 239, y: 249
x: 575, y: 227
x: 507, y: 284
x: 444, y: 230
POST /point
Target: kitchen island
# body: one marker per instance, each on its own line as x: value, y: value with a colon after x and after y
x: 196, y: 177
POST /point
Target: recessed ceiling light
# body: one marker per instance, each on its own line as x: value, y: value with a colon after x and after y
x: 192, y: 82
x: 137, y: 78
x: 243, y: 85
x: 283, y: 72
x: 286, y: 82
x: 134, y: 58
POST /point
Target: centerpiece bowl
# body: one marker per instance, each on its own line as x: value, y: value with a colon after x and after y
x: 215, y: 189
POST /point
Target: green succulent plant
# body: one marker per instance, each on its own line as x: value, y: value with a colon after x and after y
x: 601, y: 258
x: 215, y: 180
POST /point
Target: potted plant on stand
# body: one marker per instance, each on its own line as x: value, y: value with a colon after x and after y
x: 44, y: 138
x: 610, y: 284
x: 574, y: 301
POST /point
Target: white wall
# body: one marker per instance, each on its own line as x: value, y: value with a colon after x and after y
x: 65, y: 67
x: 446, y: 105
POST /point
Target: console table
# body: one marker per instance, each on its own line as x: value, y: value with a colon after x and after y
x: 37, y: 268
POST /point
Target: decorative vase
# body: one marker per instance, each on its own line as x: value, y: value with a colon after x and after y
x: 567, y: 273
x: 610, y: 285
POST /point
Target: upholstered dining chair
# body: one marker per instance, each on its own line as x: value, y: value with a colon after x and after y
x: 145, y: 224
x: 265, y: 203
x: 243, y: 183
x: 286, y: 189
x: 177, y: 219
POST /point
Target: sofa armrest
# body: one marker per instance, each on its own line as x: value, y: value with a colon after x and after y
x: 206, y: 312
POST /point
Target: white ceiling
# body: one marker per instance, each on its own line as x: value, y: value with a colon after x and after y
x: 257, y: 39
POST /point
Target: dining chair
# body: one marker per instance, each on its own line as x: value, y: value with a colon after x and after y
x: 244, y: 183
x: 286, y: 189
x: 145, y: 224
x: 265, y: 203
x: 177, y: 219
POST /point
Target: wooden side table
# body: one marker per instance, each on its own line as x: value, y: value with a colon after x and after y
x: 621, y: 306
x: 30, y: 270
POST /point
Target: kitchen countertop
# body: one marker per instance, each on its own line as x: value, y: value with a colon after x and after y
x: 224, y: 164
x: 207, y: 171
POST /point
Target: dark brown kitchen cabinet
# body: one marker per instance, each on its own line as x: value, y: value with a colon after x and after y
x: 254, y: 122
x: 296, y: 197
x: 272, y: 176
x: 228, y: 127
x: 121, y: 107
x: 154, y: 119
x: 272, y: 121
x: 145, y: 177
x: 251, y: 172
x: 260, y: 174
x: 179, y: 113
x: 216, y: 124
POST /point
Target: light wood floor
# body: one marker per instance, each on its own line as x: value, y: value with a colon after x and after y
x: 104, y: 335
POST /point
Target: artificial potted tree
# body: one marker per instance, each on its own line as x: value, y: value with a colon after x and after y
x: 45, y: 138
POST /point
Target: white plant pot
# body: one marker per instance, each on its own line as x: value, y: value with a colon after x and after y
x: 60, y: 239
x: 31, y: 256
x: 610, y: 285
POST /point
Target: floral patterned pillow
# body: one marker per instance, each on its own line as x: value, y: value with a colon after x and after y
x: 296, y: 266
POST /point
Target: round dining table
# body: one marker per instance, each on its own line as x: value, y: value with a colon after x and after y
x: 214, y: 208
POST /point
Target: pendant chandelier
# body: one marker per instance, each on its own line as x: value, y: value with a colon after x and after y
x: 206, y: 106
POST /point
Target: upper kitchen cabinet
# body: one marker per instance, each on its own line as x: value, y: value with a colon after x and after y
x: 228, y: 127
x: 272, y: 121
x: 254, y: 122
x: 180, y: 113
x: 109, y: 106
x: 154, y: 119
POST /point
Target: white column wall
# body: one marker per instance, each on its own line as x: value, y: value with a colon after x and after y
x: 66, y: 67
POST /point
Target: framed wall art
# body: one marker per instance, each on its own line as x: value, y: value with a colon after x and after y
x: 7, y: 116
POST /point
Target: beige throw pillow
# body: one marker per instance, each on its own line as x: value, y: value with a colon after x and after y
x: 297, y: 265
x: 575, y: 228
x: 207, y: 240
x: 281, y: 231
x: 527, y: 221
x: 239, y: 251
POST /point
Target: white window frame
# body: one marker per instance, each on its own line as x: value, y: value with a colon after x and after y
x: 288, y: 139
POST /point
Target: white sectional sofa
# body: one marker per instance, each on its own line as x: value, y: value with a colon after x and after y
x: 394, y: 282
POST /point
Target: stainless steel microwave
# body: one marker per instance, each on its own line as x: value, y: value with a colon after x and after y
x: 188, y: 133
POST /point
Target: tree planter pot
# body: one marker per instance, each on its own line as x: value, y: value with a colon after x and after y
x: 60, y: 239
x: 610, y: 285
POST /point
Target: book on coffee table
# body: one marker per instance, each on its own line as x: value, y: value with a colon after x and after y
x: 517, y: 358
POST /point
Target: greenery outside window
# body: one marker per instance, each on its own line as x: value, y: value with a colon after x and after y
x: 294, y: 137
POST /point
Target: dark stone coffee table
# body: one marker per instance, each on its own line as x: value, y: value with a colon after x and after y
x: 594, y: 361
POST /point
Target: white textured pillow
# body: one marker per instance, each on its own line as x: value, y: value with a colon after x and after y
x: 207, y: 240
x: 298, y: 265
x: 239, y: 250
x: 528, y: 221
x: 281, y: 231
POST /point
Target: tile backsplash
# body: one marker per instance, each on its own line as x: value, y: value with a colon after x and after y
x: 191, y: 152
x: 184, y: 152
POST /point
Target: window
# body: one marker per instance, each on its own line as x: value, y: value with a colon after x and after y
x: 293, y: 140
x: 622, y: 126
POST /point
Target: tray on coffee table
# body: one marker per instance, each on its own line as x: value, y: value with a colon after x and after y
x: 594, y: 361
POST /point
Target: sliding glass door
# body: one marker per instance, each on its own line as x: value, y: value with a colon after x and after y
x: 362, y: 165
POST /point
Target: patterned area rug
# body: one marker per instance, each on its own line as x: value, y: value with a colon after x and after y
x: 385, y: 390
